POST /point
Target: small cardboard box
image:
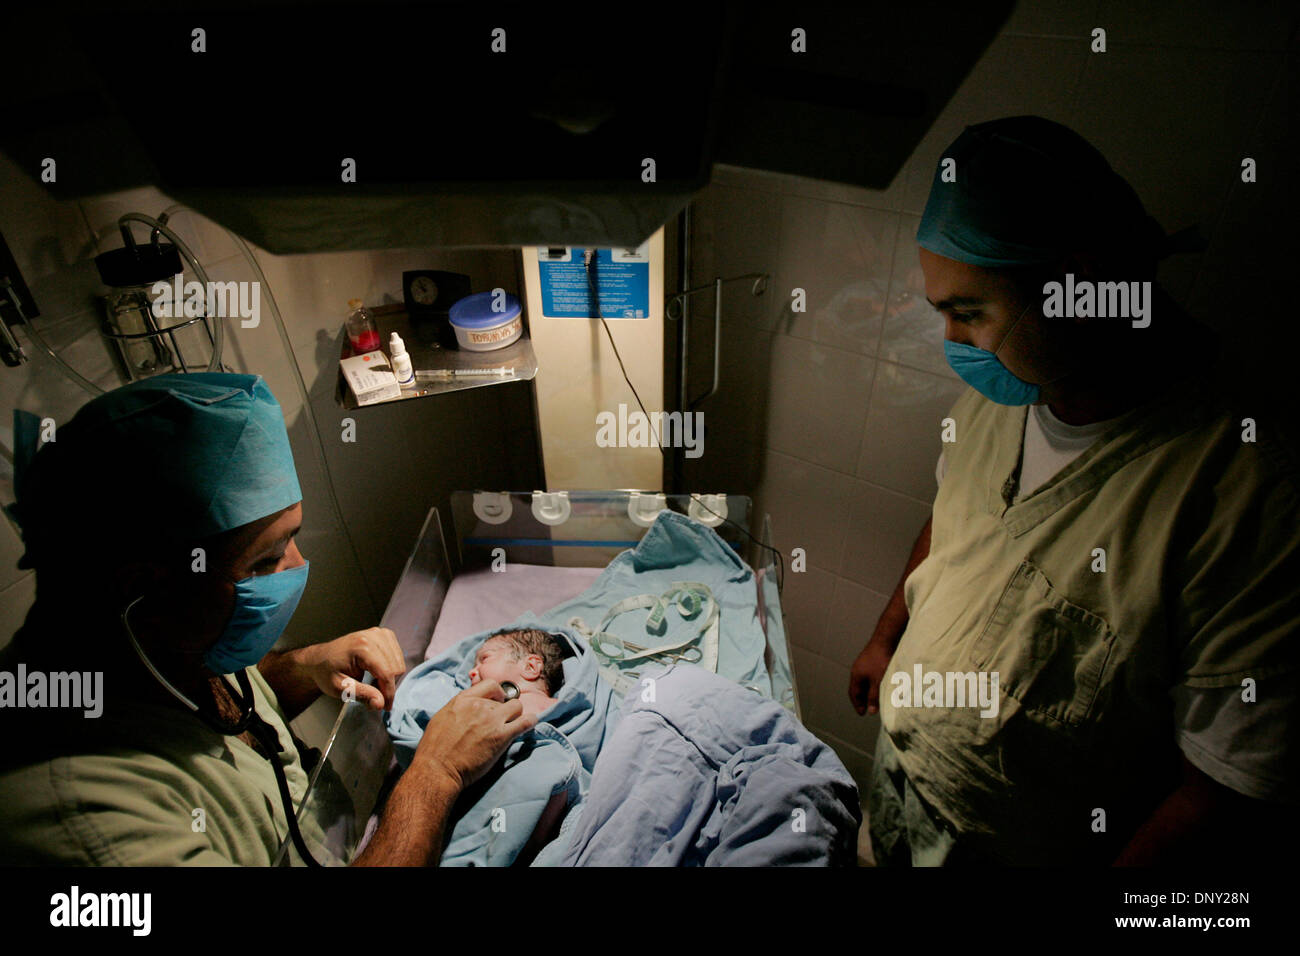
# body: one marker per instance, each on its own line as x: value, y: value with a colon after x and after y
x: 371, y: 378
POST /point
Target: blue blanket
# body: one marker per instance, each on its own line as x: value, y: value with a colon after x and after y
x: 703, y: 772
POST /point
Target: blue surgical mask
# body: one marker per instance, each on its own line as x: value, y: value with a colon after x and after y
x: 263, y: 605
x: 984, y: 372
x: 981, y: 370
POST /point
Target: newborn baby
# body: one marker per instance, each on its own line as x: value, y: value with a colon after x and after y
x: 507, y: 816
x: 531, y: 660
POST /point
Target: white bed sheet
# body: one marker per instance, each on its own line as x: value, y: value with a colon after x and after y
x: 484, y: 599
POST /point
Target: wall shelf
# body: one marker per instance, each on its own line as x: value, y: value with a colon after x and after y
x: 426, y: 354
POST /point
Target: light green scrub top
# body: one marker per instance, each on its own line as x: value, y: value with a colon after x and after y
x: 1201, y: 589
x: 131, y: 802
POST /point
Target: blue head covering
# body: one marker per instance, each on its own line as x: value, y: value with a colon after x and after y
x: 1029, y: 191
x: 165, y: 460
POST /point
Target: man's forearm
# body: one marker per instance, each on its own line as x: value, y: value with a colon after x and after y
x: 293, y: 686
x: 410, y: 832
x: 1178, y: 825
x: 1167, y: 833
x: 893, y: 621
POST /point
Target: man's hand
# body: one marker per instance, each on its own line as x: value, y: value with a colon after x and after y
x: 865, y: 677
x: 471, y: 732
x: 338, y: 665
x: 460, y: 743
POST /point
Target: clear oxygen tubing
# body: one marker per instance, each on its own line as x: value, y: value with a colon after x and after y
x: 317, y: 445
x: 67, y: 369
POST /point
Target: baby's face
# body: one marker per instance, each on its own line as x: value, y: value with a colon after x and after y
x: 496, y: 661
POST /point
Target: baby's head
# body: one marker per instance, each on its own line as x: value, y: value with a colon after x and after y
x: 532, y: 660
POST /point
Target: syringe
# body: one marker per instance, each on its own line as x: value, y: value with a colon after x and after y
x: 446, y: 374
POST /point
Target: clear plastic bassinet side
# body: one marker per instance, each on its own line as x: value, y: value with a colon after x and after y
x: 590, y: 528
x: 354, y: 767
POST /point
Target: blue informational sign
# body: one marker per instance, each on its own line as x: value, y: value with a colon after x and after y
x: 622, y: 282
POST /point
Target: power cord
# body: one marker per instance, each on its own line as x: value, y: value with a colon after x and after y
x: 780, y: 558
x: 589, y: 262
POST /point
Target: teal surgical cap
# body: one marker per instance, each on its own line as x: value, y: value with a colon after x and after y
x: 161, y: 461
x: 1028, y: 191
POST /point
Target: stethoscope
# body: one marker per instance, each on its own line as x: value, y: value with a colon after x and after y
x: 249, y: 720
x: 510, y: 689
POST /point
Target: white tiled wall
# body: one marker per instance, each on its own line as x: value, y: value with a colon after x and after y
x: 839, y: 407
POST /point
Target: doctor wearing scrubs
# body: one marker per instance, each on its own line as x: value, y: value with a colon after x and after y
x: 161, y: 523
x: 1116, y: 536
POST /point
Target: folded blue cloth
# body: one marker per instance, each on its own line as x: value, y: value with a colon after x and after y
x: 702, y: 772
x: 674, y: 549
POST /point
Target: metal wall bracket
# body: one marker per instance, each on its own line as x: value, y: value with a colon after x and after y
x: 678, y: 300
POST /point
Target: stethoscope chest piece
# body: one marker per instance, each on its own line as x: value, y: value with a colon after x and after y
x: 511, y: 690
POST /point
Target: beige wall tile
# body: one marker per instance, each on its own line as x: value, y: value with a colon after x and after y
x: 806, y: 603
x: 819, y: 405
x: 841, y: 257
x: 901, y: 442
x: 854, y: 612
x: 809, y: 507
x: 913, y: 331
x: 832, y: 714
x: 882, y: 529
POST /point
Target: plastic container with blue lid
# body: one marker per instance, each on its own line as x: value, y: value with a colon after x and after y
x: 479, y: 328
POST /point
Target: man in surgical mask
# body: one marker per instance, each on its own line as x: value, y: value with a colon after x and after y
x: 1114, y: 550
x: 162, y: 526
